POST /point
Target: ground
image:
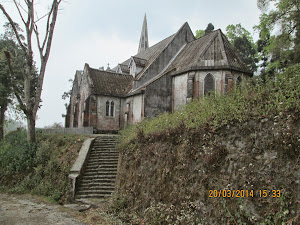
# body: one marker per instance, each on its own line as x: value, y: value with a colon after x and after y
x: 25, y: 209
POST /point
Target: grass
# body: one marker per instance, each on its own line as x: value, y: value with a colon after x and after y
x: 41, y: 169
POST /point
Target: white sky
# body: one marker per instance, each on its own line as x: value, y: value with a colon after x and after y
x: 98, y: 32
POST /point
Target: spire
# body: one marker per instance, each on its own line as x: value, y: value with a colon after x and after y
x: 144, y: 36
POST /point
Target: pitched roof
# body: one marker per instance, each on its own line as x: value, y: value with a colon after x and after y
x: 150, y: 54
x: 109, y: 83
x: 212, y: 51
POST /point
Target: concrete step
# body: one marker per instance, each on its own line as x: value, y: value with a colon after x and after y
x: 79, y: 197
x: 104, y: 149
x: 104, y: 152
x: 96, y: 188
x: 98, y: 181
x: 107, y: 183
x: 99, y: 173
x: 101, y: 165
x: 100, y: 170
x: 91, y: 192
x: 103, y: 157
x: 100, y: 176
x: 114, y: 160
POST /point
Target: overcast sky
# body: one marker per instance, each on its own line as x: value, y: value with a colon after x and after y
x: 99, y: 32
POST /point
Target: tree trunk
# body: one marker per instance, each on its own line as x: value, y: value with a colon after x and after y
x: 2, y: 118
x: 30, y: 127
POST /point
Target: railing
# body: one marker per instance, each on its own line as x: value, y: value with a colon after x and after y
x: 69, y: 130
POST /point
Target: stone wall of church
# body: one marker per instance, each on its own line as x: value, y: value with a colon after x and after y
x: 180, y: 84
x: 104, y: 122
x: 84, y: 94
x: 158, y: 97
x: 193, y: 84
x: 134, y: 109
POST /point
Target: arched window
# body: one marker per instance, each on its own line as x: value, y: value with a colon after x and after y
x: 107, y: 108
x: 112, y: 108
x: 209, y: 84
x: 238, y: 81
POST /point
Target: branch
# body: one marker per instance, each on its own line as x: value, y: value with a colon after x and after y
x: 47, y: 26
x: 12, y: 77
x: 38, y: 41
x: 41, y: 18
x: 48, y: 39
x: 14, y: 28
x: 19, y: 12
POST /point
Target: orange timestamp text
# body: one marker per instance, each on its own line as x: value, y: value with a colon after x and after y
x: 244, y: 193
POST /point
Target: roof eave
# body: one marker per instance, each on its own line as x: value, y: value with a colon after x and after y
x: 197, y: 68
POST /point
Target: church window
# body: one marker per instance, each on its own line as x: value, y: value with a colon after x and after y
x: 112, y: 108
x: 238, y: 81
x: 209, y: 84
x: 107, y: 108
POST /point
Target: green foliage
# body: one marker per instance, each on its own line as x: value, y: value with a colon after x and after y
x: 279, y: 28
x: 199, y: 34
x: 40, y: 169
x: 253, y: 100
x: 243, y: 42
x: 237, y: 31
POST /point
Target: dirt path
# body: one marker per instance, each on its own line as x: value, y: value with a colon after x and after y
x: 27, y: 210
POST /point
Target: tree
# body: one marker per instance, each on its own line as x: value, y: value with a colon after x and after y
x: 279, y: 30
x: 6, y: 91
x: 243, y: 42
x: 30, y: 103
x: 210, y: 27
x: 199, y: 34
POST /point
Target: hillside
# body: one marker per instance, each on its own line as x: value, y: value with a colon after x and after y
x: 231, y: 159
x: 40, y: 169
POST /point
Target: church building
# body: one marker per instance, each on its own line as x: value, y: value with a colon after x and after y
x: 157, y: 79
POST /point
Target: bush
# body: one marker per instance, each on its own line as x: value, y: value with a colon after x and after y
x: 40, y: 169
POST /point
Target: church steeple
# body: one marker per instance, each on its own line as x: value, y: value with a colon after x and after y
x: 144, y: 36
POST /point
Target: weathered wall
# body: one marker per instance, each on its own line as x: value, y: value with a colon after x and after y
x: 158, y: 97
x: 107, y: 123
x: 74, y: 99
x: 135, y: 113
x: 180, y: 90
x: 84, y: 92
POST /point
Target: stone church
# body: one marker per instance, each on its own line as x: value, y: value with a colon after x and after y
x: 157, y: 79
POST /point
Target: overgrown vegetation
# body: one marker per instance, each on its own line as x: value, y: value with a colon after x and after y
x: 245, y: 140
x: 40, y: 169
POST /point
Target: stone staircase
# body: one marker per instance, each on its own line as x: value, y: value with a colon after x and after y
x: 99, y: 175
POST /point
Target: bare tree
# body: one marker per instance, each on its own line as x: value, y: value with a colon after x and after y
x: 30, y: 98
